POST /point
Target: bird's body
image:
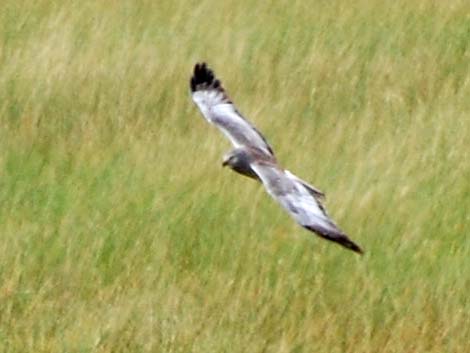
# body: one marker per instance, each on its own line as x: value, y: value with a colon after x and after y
x: 254, y: 157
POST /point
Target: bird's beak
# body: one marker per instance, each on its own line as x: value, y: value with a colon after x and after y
x: 224, y: 163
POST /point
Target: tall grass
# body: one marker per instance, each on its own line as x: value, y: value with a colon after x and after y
x: 120, y: 232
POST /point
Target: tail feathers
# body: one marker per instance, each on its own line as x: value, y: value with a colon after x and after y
x: 336, y: 236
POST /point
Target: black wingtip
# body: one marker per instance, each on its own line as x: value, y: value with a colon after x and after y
x: 203, y: 77
x: 337, y: 237
x: 348, y: 244
x: 353, y: 246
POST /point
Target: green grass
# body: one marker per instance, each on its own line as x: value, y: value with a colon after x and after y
x: 120, y: 231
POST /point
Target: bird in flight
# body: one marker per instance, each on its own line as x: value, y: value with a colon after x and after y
x: 254, y: 158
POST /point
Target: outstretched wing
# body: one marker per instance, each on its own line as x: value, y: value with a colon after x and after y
x: 215, y: 105
x: 300, y: 203
x: 310, y: 188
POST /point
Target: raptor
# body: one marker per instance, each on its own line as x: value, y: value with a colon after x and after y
x: 253, y: 157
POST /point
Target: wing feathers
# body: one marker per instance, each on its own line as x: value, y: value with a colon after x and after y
x: 203, y: 79
x: 336, y: 236
x: 310, y: 188
x: 301, y: 203
x: 211, y: 98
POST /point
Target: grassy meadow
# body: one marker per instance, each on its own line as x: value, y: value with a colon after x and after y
x: 121, y: 232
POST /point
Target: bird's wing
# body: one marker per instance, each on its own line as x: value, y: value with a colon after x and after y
x: 215, y: 105
x: 310, y: 188
x: 296, y: 198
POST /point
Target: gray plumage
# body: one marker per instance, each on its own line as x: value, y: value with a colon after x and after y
x: 254, y: 158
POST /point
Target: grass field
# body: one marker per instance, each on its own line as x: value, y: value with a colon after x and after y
x: 120, y: 231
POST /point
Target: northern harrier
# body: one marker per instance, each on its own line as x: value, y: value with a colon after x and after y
x: 254, y: 157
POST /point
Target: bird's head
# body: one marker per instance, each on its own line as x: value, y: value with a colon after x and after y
x: 237, y: 158
x: 240, y: 160
x: 229, y: 159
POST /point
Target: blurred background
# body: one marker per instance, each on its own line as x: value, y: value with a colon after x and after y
x: 120, y: 231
